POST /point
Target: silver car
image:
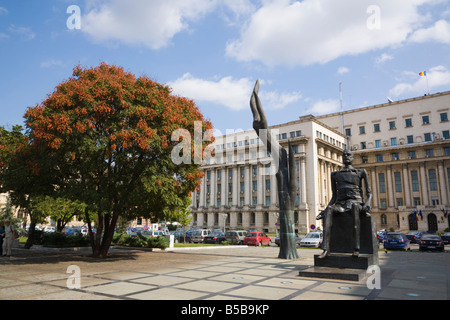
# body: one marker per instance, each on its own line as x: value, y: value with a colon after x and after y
x: 312, y: 239
x: 199, y: 235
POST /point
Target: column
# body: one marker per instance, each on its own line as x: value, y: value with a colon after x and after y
x: 194, y: 199
x: 202, y: 193
x: 321, y: 184
x: 213, y: 184
x: 273, y: 188
x: 303, y: 181
x: 235, y: 200
x: 443, y: 189
x: 424, y: 185
x: 224, y: 184
x: 329, y: 191
x: 247, y: 190
x: 406, y: 186
x: 374, y: 189
x: 390, y: 187
x: 260, y: 181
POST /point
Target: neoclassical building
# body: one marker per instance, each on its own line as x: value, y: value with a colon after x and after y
x: 404, y: 146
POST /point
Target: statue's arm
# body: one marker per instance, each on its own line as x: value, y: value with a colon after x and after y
x: 368, y: 191
x: 260, y: 124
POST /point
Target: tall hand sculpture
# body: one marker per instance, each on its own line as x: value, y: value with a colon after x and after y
x: 286, y: 178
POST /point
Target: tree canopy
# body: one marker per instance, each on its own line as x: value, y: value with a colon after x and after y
x: 103, y: 138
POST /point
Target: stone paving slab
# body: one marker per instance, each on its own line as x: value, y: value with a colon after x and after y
x: 244, y: 274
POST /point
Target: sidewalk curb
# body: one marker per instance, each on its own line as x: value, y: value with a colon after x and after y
x: 81, y: 249
x: 204, y: 248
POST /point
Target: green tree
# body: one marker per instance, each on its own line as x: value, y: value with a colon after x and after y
x: 25, y: 173
x: 60, y: 210
x: 182, y: 216
x: 107, y: 136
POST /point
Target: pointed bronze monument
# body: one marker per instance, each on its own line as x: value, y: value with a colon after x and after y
x: 285, y: 175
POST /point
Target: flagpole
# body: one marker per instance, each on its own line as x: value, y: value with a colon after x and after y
x: 428, y: 88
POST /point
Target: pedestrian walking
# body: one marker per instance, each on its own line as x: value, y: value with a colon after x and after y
x: 2, y: 235
x: 9, y: 238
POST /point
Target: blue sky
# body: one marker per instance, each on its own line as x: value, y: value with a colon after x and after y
x: 213, y: 51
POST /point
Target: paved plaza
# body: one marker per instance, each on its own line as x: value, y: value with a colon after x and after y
x: 237, y: 273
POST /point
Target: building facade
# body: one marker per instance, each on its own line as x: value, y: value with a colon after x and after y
x: 403, y: 145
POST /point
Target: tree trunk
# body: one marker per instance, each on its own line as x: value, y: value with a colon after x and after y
x: 95, y: 249
x: 30, y: 239
x: 110, y: 225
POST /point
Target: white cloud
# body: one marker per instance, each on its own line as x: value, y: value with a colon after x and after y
x: 343, y: 70
x: 142, y: 22
x: 239, y: 10
x: 51, y: 63
x: 324, y: 107
x: 287, y: 32
x: 3, y: 11
x: 24, y: 32
x: 383, y: 58
x: 437, y: 77
x: 276, y: 100
x: 439, y: 32
x: 228, y: 92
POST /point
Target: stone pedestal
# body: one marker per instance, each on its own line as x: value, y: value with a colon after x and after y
x: 340, y: 263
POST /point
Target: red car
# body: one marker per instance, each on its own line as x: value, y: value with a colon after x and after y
x: 257, y: 238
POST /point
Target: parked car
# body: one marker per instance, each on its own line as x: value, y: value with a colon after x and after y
x: 199, y: 235
x: 297, y: 240
x: 396, y: 240
x: 49, y: 229
x: 70, y: 231
x: 312, y: 239
x: 215, y: 237
x: 257, y: 238
x: 235, y: 236
x: 152, y: 234
x: 431, y: 242
x: 380, y: 235
x: 414, y: 236
x: 180, y: 237
x: 446, y: 238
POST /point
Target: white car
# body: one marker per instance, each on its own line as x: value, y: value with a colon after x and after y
x: 49, y: 229
x: 312, y: 239
x: 152, y: 234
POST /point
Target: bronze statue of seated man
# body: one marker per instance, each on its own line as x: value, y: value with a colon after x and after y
x: 346, y: 186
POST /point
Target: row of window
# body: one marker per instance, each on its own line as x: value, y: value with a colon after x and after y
x: 432, y: 181
x: 411, y: 155
x: 428, y: 137
x: 253, y: 141
x: 399, y: 202
x: 239, y: 216
x: 329, y: 139
x: 415, y: 186
x: 393, y: 126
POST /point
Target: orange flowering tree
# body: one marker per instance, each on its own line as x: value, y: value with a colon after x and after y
x: 108, y: 134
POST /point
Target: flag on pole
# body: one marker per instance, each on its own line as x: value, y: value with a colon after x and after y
x: 423, y: 74
x: 420, y: 214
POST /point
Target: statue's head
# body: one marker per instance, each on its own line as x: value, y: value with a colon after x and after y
x: 347, y: 157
